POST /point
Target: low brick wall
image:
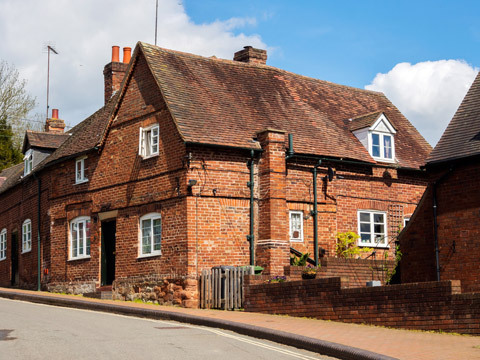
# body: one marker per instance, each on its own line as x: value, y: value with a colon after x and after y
x: 158, y: 289
x: 356, y: 271
x: 420, y: 306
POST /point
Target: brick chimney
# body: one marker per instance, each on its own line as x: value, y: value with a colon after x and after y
x: 251, y: 55
x: 54, y: 124
x: 114, y: 71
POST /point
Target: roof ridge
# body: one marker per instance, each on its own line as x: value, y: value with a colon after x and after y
x: 257, y: 65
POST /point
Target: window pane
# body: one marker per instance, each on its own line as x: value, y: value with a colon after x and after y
x: 364, y: 217
x: 365, y: 238
x: 379, y: 229
x: 364, y: 228
x: 157, y: 233
x: 81, y: 237
x: 375, y: 145
x: 148, y: 142
x: 387, y: 146
x: 378, y: 218
x: 146, y: 236
x: 74, y: 240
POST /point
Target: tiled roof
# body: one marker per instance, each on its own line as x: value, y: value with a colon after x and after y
x: 462, y: 136
x: 227, y: 102
x: 85, y: 136
x: 44, y: 140
x: 10, y: 176
x: 364, y: 121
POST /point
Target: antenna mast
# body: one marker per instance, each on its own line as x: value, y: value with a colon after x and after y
x: 156, y: 20
x: 49, y: 48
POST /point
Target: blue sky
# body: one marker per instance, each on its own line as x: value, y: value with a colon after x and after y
x: 422, y: 54
x: 349, y: 42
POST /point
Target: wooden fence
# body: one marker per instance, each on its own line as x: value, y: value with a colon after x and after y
x: 223, y: 289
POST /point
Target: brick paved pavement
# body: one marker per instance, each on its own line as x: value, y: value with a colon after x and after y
x: 401, y: 344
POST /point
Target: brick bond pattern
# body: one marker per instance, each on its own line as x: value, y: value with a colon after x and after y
x: 354, y: 272
x: 458, y: 208
x: 419, y: 306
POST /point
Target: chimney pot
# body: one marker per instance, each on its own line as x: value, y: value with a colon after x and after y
x: 115, y: 53
x: 127, y: 54
x: 54, y: 113
x: 251, y: 55
x: 54, y: 124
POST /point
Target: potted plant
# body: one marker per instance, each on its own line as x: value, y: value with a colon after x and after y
x: 309, y: 272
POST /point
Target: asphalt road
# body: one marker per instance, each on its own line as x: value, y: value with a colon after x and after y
x: 34, y: 331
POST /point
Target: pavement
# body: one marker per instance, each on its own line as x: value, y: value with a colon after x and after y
x: 340, y: 340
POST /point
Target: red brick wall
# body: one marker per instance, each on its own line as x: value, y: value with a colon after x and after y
x: 458, y: 209
x: 420, y: 306
x: 354, y: 272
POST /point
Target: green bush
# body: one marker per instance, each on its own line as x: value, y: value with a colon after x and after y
x: 347, y: 245
x: 299, y: 261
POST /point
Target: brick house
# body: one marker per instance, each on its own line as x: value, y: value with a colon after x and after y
x: 441, y: 240
x: 196, y: 162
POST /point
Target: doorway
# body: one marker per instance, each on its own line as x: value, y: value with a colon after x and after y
x: 14, y: 257
x: 108, y: 252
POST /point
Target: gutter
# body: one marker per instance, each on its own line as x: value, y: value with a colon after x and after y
x: 39, y: 211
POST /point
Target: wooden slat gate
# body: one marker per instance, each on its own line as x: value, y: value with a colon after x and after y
x: 223, y: 289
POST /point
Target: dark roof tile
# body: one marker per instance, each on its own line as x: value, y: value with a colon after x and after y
x: 226, y: 102
x: 462, y: 137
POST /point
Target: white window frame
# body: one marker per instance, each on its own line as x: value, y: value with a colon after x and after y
x: 372, y: 242
x: 148, y: 142
x: 150, y: 237
x: 3, y: 244
x: 27, y: 236
x: 406, y: 219
x: 291, y: 224
x: 381, y: 136
x: 82, y: 240
x: 28, y: 162
x: 80, y: 174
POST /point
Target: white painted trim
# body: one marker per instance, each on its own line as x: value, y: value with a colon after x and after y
x: 372, y: 243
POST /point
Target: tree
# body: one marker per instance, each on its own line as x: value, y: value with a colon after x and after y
x: 9, y: 154
x: 15, y: 104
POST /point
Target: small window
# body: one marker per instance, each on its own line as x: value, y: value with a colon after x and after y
x: 296, y: 226
x: 372, y: 227
x: 406, y: 219
x: 148, y: 143
x: 80, y: 238
x: 3, y: 244
x: 27, y: 236
x: 28, y: 162
x: 382, y: 146
x: 150, y: 235
x: 80, y: 171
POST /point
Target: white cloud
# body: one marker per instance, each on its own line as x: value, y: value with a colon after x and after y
x: 83, y: 33
x: 427, y: 93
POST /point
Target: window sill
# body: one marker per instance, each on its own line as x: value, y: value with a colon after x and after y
x: 157, y: 253
x: 296, y: 240
x: 1, y: 259
x: 390, y: 161
x: 363, y: 245
x: 26, y: 251
x: 81, y: 182
x: 145, y: 157
x: 79, y: 258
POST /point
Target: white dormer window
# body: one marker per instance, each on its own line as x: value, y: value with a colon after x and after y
x: 148, y: 142
x: 377, y: 134
x: 80, y: 170
x: 28, y: 162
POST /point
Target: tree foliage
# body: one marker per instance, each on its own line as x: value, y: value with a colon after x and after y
x: 15, y: 105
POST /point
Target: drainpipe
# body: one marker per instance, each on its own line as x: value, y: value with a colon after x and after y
x: 251, y: 185
x: 314, y: 212
x: 39, y: 209
x: 435, y: 223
